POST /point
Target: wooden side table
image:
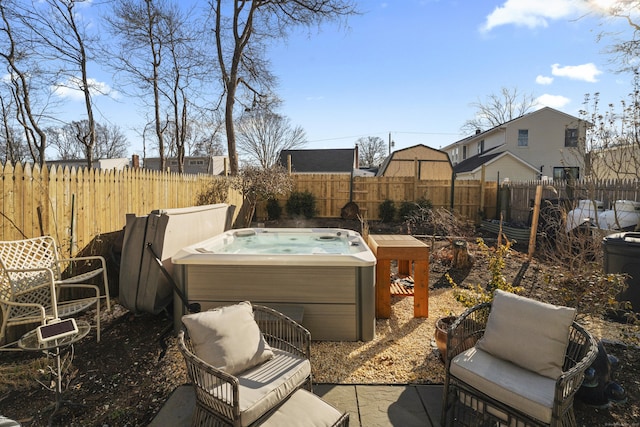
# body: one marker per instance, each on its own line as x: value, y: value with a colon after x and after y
x: 406, y: 250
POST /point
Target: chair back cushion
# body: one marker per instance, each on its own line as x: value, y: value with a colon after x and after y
x: 228, y: 338
x: 531, y: 334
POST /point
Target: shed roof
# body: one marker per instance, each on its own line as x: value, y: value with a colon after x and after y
x: 392, y: 156
x: 320, y: 160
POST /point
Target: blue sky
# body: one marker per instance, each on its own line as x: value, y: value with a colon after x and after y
x: 411, y: 68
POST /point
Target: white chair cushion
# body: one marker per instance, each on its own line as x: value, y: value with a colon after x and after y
x: 303, y: 409
x: 503, y: 381
x: 228, y: 338
x: 267, y: 385
x: 529, y: 333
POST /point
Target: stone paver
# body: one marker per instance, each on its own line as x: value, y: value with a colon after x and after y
x: 368, y: 405
x: 431, y: 397
x: 382, y: 406
x: 343, y: 397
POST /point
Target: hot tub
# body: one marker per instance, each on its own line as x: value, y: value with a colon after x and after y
x: 328, y: 272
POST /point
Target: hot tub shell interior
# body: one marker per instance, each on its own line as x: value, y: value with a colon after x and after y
x: 337, y: 293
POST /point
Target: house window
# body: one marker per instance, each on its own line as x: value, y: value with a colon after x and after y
x: 523, y: 137
x: 464, y: 152
x: 565, y: 173
x: 481, y: 147
x: 571, y: 137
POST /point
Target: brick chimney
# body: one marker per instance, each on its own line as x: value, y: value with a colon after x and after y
x: 135, y: 161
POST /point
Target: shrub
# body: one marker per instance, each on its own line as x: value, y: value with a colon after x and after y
x: 274, y: 210
x: 387, y: 211
x: 415, y: 210
x: 216, y: 192
x: 301, y: 203
x: 479, y: 294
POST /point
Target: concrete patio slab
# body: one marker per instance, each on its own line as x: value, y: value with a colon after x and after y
x: 368, y: 405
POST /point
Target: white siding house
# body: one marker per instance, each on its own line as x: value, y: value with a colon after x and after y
x: 546, y: 142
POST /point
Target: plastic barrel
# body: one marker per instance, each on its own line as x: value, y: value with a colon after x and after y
x: 622, y: 255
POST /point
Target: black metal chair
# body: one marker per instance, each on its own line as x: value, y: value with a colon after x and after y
x: 468, y: 404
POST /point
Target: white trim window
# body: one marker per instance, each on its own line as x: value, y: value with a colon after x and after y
x: 523, y: 137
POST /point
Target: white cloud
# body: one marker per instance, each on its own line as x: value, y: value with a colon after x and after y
x: 553, y: 101
x: 531, y: 13
x: 585, y: 72
x: 544, y: 80
x: 71, y: 89
x: 538, y: 13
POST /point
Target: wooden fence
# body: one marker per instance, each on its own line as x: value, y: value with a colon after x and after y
x: 516, y: 198
x: 76, y: 206
x: 333, y: 191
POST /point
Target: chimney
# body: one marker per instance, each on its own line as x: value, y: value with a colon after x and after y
x: 356, y: 153
x: 478, y: 131
x: 135, y: 161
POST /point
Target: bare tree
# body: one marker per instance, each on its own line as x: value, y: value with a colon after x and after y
x: 12, y: 146
x: 206, y: 135
x: 242, y: 29
x: 161, y: 54
x: 18, y: 54
x: 625, y: 52
x: 68, y: 141
x: 372, y: 150
x: 613, y: 140
x: 263, y: 135
x: 111, y: 142
x: 139, y: 31
x: 63, y: 39
x: 185, y: 79
x: 498, y: 108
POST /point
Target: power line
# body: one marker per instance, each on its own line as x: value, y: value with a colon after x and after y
x: 383, y: 133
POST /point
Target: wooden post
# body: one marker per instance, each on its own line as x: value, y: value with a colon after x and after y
x: 416, y: 178
x: 482, y: 189
x: 534, y: 221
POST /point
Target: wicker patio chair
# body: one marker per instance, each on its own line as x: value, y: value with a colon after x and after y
x: 33, y: 289
x: 482, y: 399
x: 247, y: 398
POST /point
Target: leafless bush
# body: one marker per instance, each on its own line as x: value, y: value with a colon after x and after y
x: 216, y: 192
x: 580, y: 281
x: 257, y: 184
x: 442, y: 222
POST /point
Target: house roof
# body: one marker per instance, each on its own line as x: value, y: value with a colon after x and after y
x: 328, y: 160
x: 385, y: 164
x: 472, y: 164
x: 501, y: 126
